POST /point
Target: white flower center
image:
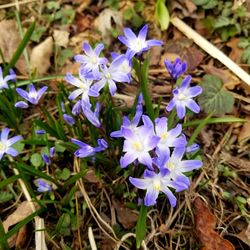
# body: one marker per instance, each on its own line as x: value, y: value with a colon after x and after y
x: 83, y: 86
x: 2, y: 146
x: 138, y: 146
x: 157, y: 184
x: 171, y: 165
x: 138, y: 44
x: 93, y: 60
x: 107, y: 75
x: 164, y: 136
x: 33, y: 95
x: 181, y: 97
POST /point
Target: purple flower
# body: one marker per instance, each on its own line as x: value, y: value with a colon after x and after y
x: 176, y: 69
x: 91, y: 61
x: 83, y: 86
x: 46, y: 159
x: 183, y: 98
x: 4, y: 80
x: 155, y: 183
x: 87, y: 150
x: 5, y: 143
x: 177, y: 167
x: 52, y: 151
x: 43, y: 186
x: 77, y: 108
x: 32, y: 96
x: 40, y: 132
x: 90, y: 115
x: 137, y: 45
x: 138, y: 143
x: 169, y: 138
x: 131, y: 124
x: 111, y: 75
x: 192, y: 148
x: 69, y: 119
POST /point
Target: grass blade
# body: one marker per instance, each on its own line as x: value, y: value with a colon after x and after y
x: 141, y: 228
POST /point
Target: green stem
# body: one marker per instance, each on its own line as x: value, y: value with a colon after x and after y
x: 142, y: 76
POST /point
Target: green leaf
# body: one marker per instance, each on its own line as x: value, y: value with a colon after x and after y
x: 244, y: 42
x: 64, y: 174
x: 141, y: 227
x: 162, y: 15
x: 5, y: 196
x: 128, y: 14
x: 37, y: 34
x: 200, y: 2
x: 64, y: 55
x: 137, y: 21
x: 36, y: 160
x: 139, y: 6
x: 246, y: 55
x: 222, y: 21
x: 53, y: 5
x: 214, y: 98
x: 210, y: 5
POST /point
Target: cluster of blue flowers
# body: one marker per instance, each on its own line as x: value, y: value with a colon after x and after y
x: 150, y: 143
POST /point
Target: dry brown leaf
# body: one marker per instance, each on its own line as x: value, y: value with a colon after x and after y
x: 183, y: 48
x: 9, y: 41
x: 83, y: 22
x: 104, y: 23
x: 90, y: 177
x: 61, y: 37
x: 244, y: 134
x: 204, y: 227
x: 236, y: 52
x: 229, y: 80
x: 40, y: 56
x: 126, y: 216
x: 22, y: 211
x: 244, y: 235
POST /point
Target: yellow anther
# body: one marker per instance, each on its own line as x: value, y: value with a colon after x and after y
x: 171, y: 165
x: 164, y: 136
x: 181, y: 97
x: 1, y: 146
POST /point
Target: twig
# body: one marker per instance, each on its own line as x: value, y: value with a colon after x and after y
x: 211, y: 49
x: 8, y: 5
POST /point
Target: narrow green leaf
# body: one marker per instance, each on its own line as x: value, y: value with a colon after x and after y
x: 20, y: 47
x: 5, y: 196
x: 16, y: 228
x: 214, y: 97
x: 74, y: 178
x: 228, y: 119
x: 8, y: 181
x: 162, y: 15
x: 3, y: 241
x: 198, y: 129
x: 141, y: 228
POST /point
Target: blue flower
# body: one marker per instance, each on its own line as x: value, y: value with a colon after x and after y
x: 40, y: 132
x: 111, y: 75
x: 177, y: 167
x: 5, y: 143
x: 91, y: 61
x: 138, y: 143
x: 155, y: 183
x: 135, y: 121
x: 182, y: 98
x: 46, y: 159
x: 176, y: 69
x: 169, y: 138
x: 69, y: 119
x: 4, y: 80
x: 43, y: 186
x: 83, y: 86
x: 137, y: 45
x: 92, y: 117
x: 87, y: 150
x: 32, y: 96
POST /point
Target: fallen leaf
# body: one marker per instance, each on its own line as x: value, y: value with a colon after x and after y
x: 244, y: 235
x: 244, y: 134
x: 230, y: 81
x: 236, y: 52
x: 183, y: 48
x: 126, y: 216
x: 91, y: 177
x: 83, y: 22
x: 21, y: 237
x: 61, y: 37
x: 22, y: 211
x: 9, y: 41
x: 40, y: 56
x: 104, y: 23
x: 204, y: 227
